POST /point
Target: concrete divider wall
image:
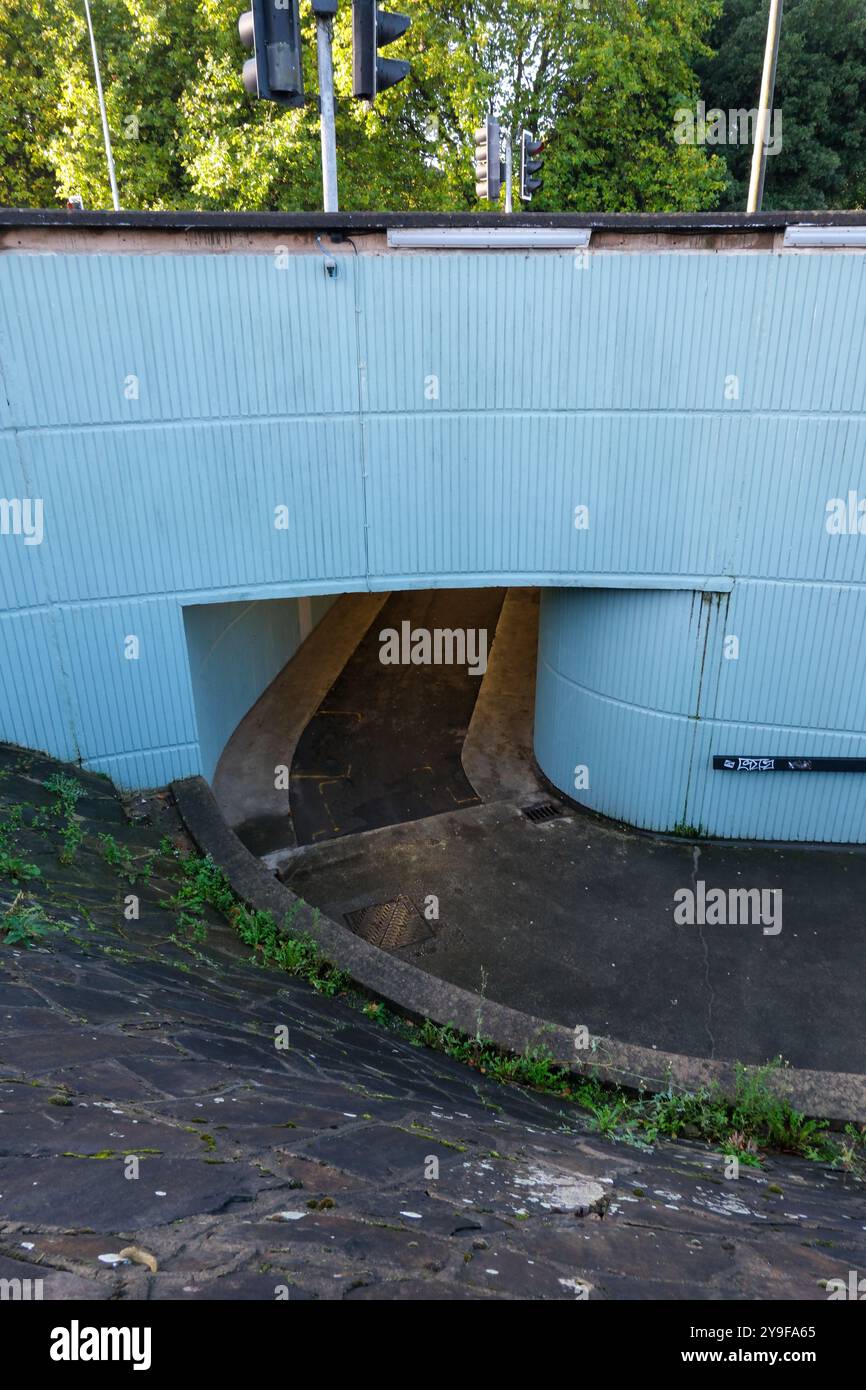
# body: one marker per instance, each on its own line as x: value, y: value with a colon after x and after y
x: 235, y: 651
x: 435, y: 419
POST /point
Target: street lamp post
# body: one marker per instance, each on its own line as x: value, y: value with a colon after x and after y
x: 768, y: 87
x: 106, y: 134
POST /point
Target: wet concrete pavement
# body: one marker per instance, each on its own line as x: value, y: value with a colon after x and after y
x: 573, y: 921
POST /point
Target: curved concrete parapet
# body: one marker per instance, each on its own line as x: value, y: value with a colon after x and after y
x: 839, y: 1097
x: 637, y: 692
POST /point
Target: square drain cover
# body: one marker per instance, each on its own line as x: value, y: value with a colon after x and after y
x: 389, y: 925
x: 546, y: 810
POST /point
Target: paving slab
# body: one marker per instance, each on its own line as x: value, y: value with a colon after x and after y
x: 67, y: 1190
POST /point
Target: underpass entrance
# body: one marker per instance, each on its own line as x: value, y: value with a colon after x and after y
x: 385, y: 744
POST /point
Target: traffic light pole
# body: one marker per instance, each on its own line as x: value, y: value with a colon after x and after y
x: 328, y: 121
x: 509, y: 184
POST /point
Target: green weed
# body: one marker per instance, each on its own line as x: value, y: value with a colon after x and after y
x: 67, y: 793
x: 14, y: 867
x: 24, y: 924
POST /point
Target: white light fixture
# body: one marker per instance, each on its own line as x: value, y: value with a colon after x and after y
x: 804, y: 235
x: 491, y: 238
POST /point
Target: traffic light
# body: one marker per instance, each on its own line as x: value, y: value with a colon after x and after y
x: 372, y: 28
x: 529, y: 165
x: 488, y: 165
x: 272, y: 30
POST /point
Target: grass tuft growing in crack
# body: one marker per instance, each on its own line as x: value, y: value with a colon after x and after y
x: 203, y: 884
x: 754, y: 1119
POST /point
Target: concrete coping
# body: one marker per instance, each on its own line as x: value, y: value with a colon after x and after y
x: 351, y: 222
x: 839, y: 1097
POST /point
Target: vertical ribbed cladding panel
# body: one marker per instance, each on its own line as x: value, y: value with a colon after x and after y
x: 207, y: 337
x: 806, y: 806
x: 637, y: 762
x: 789, y: 470
x: 813, y: 308
x: 789, y: 634
x: 714, y: 625
x: 639, y: 647
x: 149, y: 767
x: 33, y: 701
x: 120, y: 705
x: 533, y: 332
x: 190, y: 508
x: 490, y: 494
x: 25, y: 571
x: 638, y: 756
x: 8, y: 384
x: 604, y: 692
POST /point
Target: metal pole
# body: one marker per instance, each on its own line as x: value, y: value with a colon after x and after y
x: 768, y: 87
x: 106, y: 135
x: 328, y: 124
x: 509, y: 199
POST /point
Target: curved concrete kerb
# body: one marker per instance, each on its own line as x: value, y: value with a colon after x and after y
x: 839, y: 1097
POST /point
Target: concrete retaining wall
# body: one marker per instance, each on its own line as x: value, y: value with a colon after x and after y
x: 436, y: 419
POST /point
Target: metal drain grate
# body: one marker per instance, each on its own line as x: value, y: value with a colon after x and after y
x: 389, y: 925
x: 545, y: 810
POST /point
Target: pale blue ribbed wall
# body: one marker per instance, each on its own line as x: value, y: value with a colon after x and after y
x: 635, y: 687
x: 235, y: 651
x: 262, y: 386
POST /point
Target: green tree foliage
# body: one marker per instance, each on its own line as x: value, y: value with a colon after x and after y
x: 599, y: 83
x: 820, y: 90
x: 26, y: 177
x: 628, y: 68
